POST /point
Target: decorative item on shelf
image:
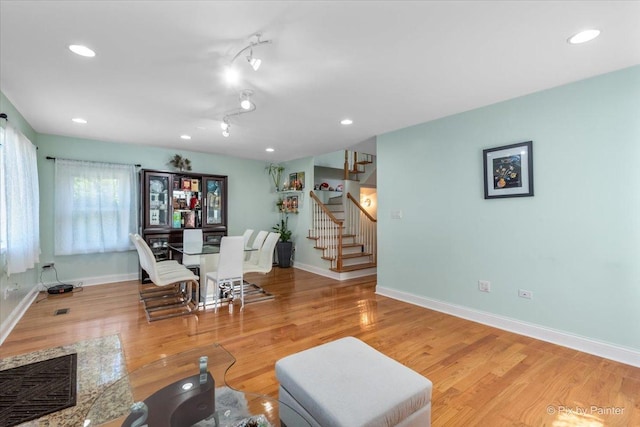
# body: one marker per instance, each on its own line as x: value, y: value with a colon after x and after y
x: 177, y: 220
x: 284, y: 248
x: 296, y: 181
x: 194, y: 202
x: 189, y: 219
x: 288, y: 204
x: 185, y: 184
x: 180, y: 163
x: 275, y: 171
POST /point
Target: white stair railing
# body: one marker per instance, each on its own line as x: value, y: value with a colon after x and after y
x: 363, y: 226
x: 327, y: 231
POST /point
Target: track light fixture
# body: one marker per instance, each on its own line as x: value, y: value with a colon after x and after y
x: 225, y: 126
x: 246, y: 106
x: 254, y: 62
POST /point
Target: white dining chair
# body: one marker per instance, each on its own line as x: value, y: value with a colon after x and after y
x: 228, y: 277
x: 192, y: 242
x: 247, y: 236
x: 264, y: 262
x: 163, y: 265
x: 177, y: 278
x: 253, y: 255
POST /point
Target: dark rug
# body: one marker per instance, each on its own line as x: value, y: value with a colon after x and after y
x: 31, y: 391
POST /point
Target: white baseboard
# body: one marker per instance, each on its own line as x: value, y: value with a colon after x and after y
x: 333, y: 274
x: 543, y: 333
x: 99, y: 280
x: 17, y: 313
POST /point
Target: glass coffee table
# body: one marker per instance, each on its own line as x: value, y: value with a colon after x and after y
x: 183, y: 390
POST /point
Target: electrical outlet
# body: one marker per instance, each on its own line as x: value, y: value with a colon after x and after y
x: 484, y: 286
x: 523, y: 293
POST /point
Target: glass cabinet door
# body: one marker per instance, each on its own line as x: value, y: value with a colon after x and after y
x: 157, y: 214
x: 215, y: 201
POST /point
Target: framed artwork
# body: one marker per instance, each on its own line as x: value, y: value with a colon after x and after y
x: 508, y: 171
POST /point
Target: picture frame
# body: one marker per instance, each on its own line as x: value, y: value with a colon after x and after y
x: 508, y: 171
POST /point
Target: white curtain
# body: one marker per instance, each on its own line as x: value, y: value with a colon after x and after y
x: 95, y: 207
x: 19, y: 201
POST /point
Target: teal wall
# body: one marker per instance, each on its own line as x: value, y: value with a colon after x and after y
x: 250, y: 201
x: 300, y: 223
x: 575, y: 244
x: 16, y: 119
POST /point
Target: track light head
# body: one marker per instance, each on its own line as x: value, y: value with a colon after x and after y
x: 254, y: 62
x: 245, y: 99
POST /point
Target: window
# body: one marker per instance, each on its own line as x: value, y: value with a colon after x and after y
x: 95, y: 207
x: 19, y: 202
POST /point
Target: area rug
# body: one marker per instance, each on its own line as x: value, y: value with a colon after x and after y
x: 233, y: 411
x: 100, y: 362
x: 37, y: 389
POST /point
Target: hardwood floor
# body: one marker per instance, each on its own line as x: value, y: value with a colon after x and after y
x: 482, y: 376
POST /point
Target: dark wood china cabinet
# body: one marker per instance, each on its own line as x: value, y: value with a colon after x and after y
x: 173, y: 201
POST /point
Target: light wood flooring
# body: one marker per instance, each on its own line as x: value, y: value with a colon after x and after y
x: 482, y: 376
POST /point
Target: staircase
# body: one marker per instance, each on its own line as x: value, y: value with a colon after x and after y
x: 345, y: 233
x: 355, y: 164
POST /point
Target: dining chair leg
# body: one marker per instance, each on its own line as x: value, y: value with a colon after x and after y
x: 241, y: 295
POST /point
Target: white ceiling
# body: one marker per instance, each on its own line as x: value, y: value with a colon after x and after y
x: 385, y: 64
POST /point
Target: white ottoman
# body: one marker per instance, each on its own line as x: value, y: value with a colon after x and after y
x: 346, y: 383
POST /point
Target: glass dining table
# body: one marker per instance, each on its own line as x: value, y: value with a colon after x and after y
x: 209, y: 258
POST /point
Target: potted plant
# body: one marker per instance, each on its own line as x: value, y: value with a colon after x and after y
x: 284, y: 247
x: 275, y: 171
x: 180, y: 163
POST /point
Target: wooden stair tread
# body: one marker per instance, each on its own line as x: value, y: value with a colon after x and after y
x: 356, y: 255
x: 347, y: 256
x: 351, y: 245
x: 355, y: 267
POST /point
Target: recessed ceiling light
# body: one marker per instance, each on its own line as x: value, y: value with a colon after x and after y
x: 82, y: 50
x: 269, y: 150
x: 79, y: 120
x: 346, y: 122
x: 583, y: 36
x: 185, y: 137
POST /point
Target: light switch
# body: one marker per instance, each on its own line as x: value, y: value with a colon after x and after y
x: 396, y: 214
